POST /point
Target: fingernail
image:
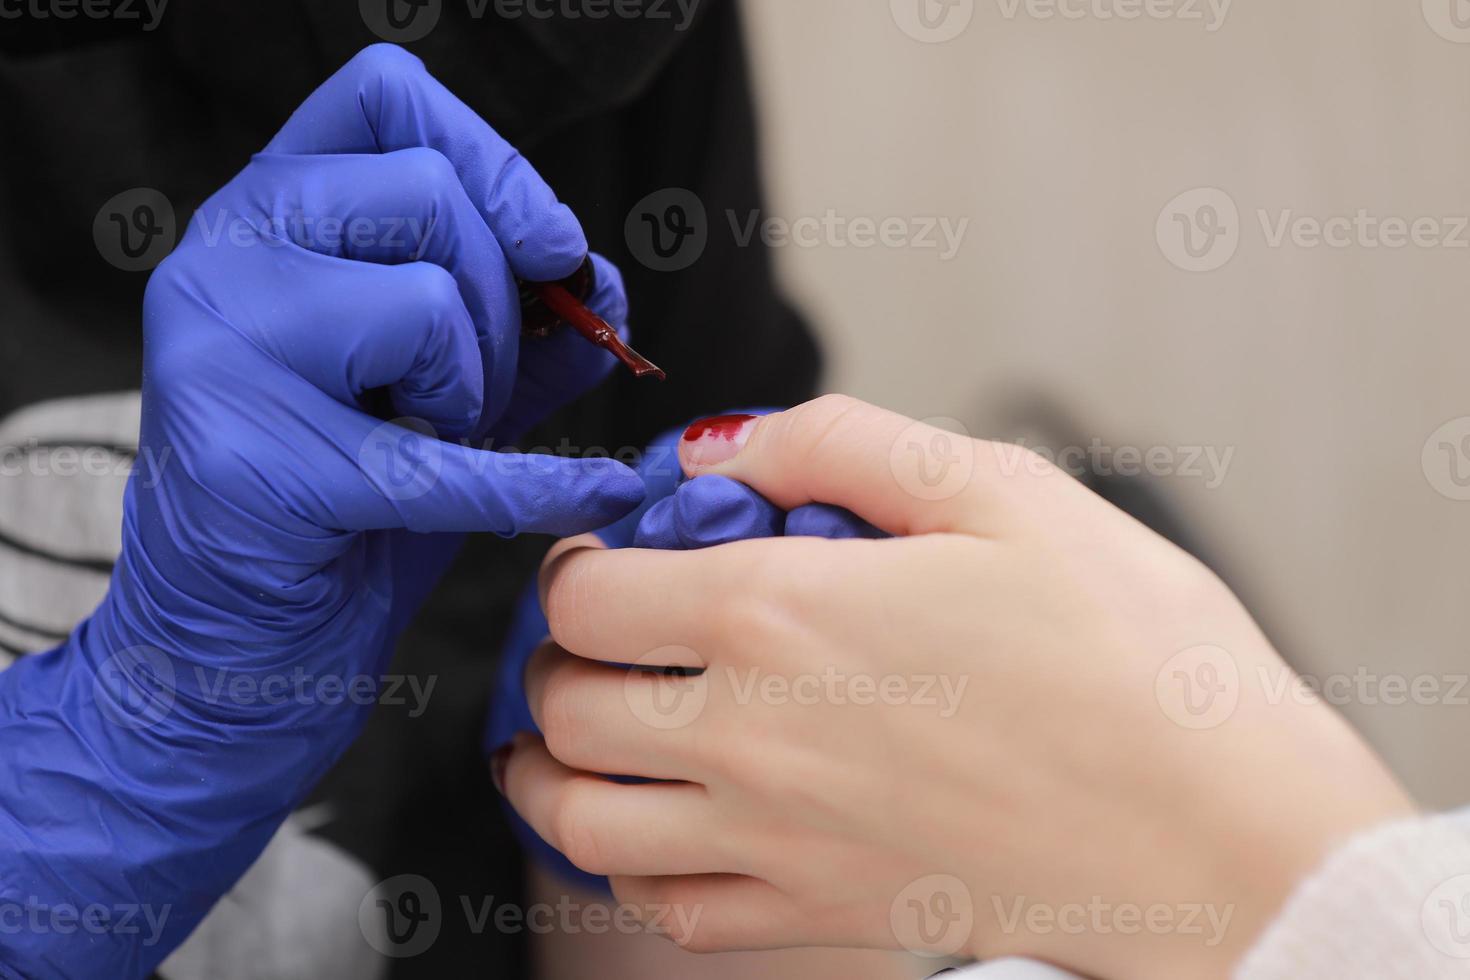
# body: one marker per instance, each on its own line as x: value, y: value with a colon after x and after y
x: 710, y: 442
x: 498, y: 762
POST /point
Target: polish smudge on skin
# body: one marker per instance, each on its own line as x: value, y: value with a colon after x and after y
x: 725, y: 427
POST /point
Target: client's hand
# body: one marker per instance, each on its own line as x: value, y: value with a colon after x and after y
x: 1024, y: 725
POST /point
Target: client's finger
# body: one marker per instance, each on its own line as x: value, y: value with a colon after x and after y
x: 608, y: 828
x: 716, y: 912
x: 902, y: 476
x: 607, y: 719
x: 657, y: 608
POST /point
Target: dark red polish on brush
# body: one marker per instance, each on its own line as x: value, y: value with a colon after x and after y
x: 545, y: 305
x: 725, y: 427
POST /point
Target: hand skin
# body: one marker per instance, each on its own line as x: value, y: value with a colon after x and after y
x: 1061, y: 779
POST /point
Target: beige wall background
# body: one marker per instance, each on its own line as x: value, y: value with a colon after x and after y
x: 1326, y: 370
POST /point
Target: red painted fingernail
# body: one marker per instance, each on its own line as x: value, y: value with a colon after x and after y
x: 498, y: 762
x: 712, y: 441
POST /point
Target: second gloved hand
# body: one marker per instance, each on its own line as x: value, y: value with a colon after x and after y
x: 283, y: 536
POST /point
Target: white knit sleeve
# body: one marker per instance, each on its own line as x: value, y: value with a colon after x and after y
x: 1393, y: 904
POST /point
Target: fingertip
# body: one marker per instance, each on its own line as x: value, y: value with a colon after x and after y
x: 715, y: 510
x: 554, y: 557
x: 714, y: 441
x: 656, y: 531
x: 544, y: 241
x: 452, y: 409
x: 587, y: 495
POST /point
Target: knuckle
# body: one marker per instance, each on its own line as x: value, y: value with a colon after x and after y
x: 384, y: 61
x: 821, y: 416
x: 743, y: 760
x: 830, y: 406
x: 424, y: 166
x: 214, y: 464
x: 809, y: 427
x: 560, y: 725
x: 565, y: 616
x: 791, y: 584
x: 771, y: 587
x: 577, y: 832
x: 433, y: 288
x: 708, y: 936
x: 744, y: 614
x: 169, y: 354
x: 634, y: 892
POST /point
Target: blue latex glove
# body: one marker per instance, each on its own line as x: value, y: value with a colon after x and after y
x: 677, y: 515
x: 708, y: 511
x: 827, y: 521
x: 285, y: 538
